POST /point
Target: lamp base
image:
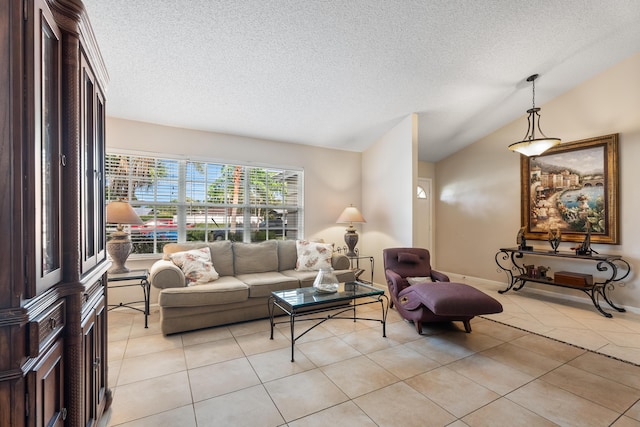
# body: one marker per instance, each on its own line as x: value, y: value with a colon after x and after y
x: 115, y: 269
x: 351, y: 239
x: 119, y: 248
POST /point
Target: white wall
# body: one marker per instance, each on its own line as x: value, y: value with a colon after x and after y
x: 389, y: 174
x: 478, y: 188
x: 332, y: 177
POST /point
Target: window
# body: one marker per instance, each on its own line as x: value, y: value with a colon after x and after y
x: 421, y: 193
x: 182, y: 200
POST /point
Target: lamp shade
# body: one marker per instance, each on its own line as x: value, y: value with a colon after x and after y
x: 122, y: 213
x: 350, y: 215
x: 534, y: 147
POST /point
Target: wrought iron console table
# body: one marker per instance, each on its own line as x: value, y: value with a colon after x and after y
x: 613, y: 267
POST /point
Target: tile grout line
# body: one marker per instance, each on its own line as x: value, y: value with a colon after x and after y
x: 563, y: 342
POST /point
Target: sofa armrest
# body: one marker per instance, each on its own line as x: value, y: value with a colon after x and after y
x: 165, y: 274
x: 436, y: 276
x: 340, y: 261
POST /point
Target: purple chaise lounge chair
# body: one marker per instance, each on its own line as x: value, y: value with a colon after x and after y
x: 431, y: 297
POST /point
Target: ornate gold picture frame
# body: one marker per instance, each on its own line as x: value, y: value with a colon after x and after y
x: 570, y: 185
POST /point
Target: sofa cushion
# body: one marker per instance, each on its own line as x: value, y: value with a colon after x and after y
x: 225, y: 290
x: 255, y: 257
x: 262, y: 284
x: 222, y: 257
x: 306, y: 278
x: 196, y: 266
x: 287, y: 255
x: 221, y: 254
x: 313, y: 255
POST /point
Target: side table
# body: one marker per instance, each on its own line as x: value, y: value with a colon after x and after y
x: 355, y: 265
x: 142, y: 277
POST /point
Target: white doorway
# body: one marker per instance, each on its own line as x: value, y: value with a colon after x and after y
x: 423, y: 210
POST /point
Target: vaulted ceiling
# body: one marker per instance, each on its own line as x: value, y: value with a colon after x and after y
x: 338, y: 73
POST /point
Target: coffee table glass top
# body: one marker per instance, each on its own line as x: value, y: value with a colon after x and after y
x: 303, y: 297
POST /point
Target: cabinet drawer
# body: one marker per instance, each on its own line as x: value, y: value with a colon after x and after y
x: 45, y: 328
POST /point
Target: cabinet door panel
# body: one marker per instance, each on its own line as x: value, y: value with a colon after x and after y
x: 95, y: 368
x: 47, y: 384
x: 89, y: 336
x: 92, y: 128
x: 42, y: 192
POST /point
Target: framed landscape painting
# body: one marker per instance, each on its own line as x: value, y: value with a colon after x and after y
x: 572, y: 187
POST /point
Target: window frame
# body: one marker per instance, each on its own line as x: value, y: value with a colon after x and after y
x: 258, y: 219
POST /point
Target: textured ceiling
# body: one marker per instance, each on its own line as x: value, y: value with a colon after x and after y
x: 340, y: 73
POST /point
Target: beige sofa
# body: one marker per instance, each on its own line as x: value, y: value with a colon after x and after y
x: 248, y: 272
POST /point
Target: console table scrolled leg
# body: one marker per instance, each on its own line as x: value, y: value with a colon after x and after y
x: 603, y: 292
x: 593, y: 294
x: 503, y: 257
x: 522, y: 282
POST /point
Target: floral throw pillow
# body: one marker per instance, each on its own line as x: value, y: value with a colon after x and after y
x: 196, y: 265
x: 313, y: 256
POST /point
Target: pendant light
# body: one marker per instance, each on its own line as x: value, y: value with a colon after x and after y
x: 530, y: 145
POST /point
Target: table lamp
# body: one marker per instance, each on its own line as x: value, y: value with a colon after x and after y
x: 350, y: 215
x: 119, y: 245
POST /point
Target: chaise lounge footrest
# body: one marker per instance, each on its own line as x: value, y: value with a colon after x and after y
x: 449, y: 299
x: 453, y: 300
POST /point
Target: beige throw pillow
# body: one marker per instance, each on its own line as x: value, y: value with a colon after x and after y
x: 416, y: 280
x: 313, y: 256
x: 196, y: 266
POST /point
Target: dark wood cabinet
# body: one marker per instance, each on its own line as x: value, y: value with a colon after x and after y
x: 53, y: 321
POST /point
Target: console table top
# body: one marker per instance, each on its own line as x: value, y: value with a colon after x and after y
x: 563, y: 254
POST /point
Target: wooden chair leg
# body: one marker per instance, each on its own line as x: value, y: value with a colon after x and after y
x: 418, y: 325
x: 467, y: 325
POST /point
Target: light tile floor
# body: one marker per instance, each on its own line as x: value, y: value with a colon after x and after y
x: 346, y: 373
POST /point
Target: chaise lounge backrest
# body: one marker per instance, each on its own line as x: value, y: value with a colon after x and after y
x: 408, y: 262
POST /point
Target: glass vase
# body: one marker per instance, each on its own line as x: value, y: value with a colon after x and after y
x: 326, y: 281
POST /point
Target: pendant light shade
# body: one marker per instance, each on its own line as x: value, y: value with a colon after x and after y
x: 530, y: 145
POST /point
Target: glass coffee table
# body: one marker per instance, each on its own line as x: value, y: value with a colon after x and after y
x: 307, y: 303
